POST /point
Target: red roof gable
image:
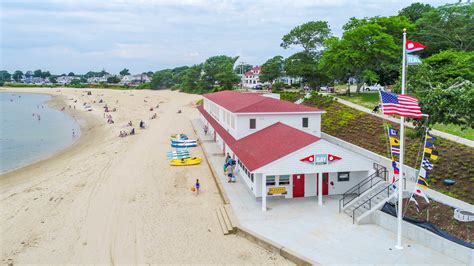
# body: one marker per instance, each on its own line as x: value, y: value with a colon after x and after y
x: 254, y: 71
x: 239, y: 102
x: 259, y: 149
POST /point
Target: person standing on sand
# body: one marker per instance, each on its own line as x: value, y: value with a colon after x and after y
x: 73, y: 133
x: 197, y: 186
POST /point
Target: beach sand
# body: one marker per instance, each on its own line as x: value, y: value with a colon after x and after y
x: 114, y: 200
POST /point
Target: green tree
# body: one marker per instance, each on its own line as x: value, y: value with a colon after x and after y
x: 414, y: 11
x: 29, y: 73
x: 272, y: 69
x: 162, y: 79
x: 310, y: 36
x: 368, y: 49
x: 218, y: 70
x: 45, y: 74
x: 71, y: 74
x: 124, y: 72
x: 75, y: 82
x: 192, y: 80
x: 17, y: 75
x: 447, y: 27
x: 305, y: 66
x: 37, y: 73
x: 113, y: 79
x: 53, y: 79
x: 443, y: 84
x: 5, y: 76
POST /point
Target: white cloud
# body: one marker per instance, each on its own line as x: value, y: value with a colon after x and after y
x: 143, y: 35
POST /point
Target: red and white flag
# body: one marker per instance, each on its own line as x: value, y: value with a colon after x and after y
x: 412, y: 46
x: 308, y: 159
x: 333, y: 158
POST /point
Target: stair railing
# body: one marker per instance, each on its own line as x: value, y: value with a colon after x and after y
x: 363, y: 186
x: 387, y: 189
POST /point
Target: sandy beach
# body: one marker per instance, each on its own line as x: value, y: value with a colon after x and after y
x: 111, y: 200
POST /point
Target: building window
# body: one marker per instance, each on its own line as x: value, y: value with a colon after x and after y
x: 253, y: 123
x: 251, y: 177
x: 284, y: 180
x: 343, y: 176
x: 305, y: 122
x: 270, y: 180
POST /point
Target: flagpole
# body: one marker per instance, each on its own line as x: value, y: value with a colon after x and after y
x: 402, y: 142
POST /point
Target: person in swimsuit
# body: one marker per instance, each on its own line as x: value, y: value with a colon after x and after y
x: 197, y: 186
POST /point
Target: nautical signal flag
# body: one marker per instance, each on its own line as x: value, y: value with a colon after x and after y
x: 320, y: 158
x: 434, y: 155
x: 418, y: 191
x: 400, y: 104
x: 416, y: 203
x: 427, y: 164
x: 392, y: 132
x: 421, y: 182
x: 412, y: 46
x: 309, y: 159
x: 395, y: 168
x: 333, y: 158
x: 394, y: 141
x: 413, y: 60
x: 395, y: 150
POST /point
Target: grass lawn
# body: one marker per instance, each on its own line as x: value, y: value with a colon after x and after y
x: 366, y: 99
x: 456, y: 130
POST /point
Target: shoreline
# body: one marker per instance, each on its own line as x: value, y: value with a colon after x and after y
x: 86, y: 123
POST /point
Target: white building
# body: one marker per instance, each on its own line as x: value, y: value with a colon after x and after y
x: 65, y: 80
x: 135, y: 79
x: 278, y: 148
x: 251, y: 78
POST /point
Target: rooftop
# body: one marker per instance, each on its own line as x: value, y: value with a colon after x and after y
x: 241, y: 102
x: 264, y: 150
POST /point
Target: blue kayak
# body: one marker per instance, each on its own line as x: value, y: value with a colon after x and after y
x: 175, y: 157
x: 183, y: 145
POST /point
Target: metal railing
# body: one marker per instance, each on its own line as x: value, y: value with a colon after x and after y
x: 388, y: 188
x: 363, y: 186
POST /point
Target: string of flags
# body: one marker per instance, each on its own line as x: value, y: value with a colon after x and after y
x: 394, y: 141
x: 429, y: 154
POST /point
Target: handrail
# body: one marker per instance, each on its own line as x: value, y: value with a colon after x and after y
x: 379, y: 171
x: 373, y: 196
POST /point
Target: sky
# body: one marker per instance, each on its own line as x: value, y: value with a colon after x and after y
x: 149, y: 35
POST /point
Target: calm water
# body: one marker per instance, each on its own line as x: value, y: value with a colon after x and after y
x: 23, y: 137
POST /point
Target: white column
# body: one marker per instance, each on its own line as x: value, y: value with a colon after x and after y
x: 264, y: 193
x: 320, y: 188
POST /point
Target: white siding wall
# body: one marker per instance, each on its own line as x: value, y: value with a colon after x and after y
x: 225, y: 118
x: 265, y: 120
x: 310, y: 185
x: 341, y: 187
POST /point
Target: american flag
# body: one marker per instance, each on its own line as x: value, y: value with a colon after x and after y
x: 402, y: 105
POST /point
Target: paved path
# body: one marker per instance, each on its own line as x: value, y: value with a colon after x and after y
x: 435, y: 132
x: 321, y: 234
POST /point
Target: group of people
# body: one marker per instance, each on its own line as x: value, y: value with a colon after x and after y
x: 110, y: 120
x: 229, y: 168
x: 124, y: 133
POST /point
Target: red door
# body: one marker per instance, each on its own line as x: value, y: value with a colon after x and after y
x: 298, y: 186
x: 325, y: 184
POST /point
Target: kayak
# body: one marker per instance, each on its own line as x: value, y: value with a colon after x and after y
x: 176, y: 157
x: 177, y: 152
x: 185, y: 162
x: 183, y: 140
x: 179, y: 137
x: 183, y: 145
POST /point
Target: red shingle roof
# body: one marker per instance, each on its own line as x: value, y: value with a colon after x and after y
x: 254, y: 71
x: 259, y: 149
x: 239, y: 102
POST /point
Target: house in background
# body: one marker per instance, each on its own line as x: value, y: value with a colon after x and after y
x: 251, y: 78
x: 278, y: 147
x: 65, y: 80
x: 135, y: 79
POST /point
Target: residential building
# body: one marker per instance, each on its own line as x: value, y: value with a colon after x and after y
x: 278, y: 146
x: 65, y: 80
x: 135, y: 79
x: 251, y: 78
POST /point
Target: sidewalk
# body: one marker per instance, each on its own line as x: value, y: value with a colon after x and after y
x: 320, y: 234
x: 434, y: 132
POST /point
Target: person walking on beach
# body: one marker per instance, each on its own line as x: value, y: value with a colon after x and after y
x: 197, y: 186
x: 73, y: 133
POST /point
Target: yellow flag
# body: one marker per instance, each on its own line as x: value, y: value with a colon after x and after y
x: 394, y: 141
x: 428, y: 150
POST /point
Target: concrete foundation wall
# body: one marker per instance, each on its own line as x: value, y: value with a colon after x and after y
x: 425, y: 237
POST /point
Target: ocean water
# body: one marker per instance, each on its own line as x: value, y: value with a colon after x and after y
x: 23, y: 137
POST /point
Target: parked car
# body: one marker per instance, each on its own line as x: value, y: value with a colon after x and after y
x: 375, y: 87
x: 259, y: 87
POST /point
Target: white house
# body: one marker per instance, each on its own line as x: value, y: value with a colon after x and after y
x: 64, y: 80
x: 135, y: 79
x: 251, y: 78
x: 278, y: 148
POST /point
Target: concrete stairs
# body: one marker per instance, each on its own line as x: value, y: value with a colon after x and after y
x: 378, y: 195
x: 225, y: 217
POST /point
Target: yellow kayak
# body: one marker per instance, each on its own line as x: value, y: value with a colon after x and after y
x: 187, y: 161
